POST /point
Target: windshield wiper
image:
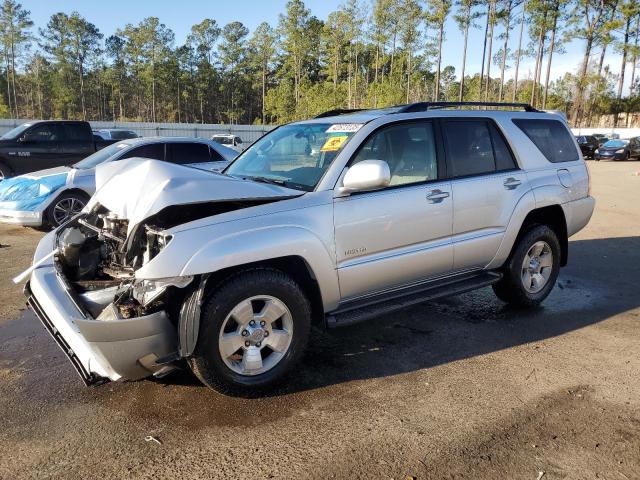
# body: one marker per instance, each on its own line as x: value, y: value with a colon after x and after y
x: 274, y: 181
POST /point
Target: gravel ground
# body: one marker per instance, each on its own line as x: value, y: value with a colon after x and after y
x: 460, y: 388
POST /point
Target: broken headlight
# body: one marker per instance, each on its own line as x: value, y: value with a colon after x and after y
x: 156, y: 242
x: 146, y: 291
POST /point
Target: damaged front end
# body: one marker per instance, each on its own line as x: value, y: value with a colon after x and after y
x: 88, y: 283
x: 121, y: 327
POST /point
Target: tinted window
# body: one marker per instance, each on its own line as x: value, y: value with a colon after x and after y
x: 469, y: 147
x: 504, y: 159
x: 76, y: 133
x: 154, y: 151
x: 185, y: 153
x: 551, y: 137
x: 44, y: 133
x: 215, y: 156
x: 408, y: 148
x: 122, y: 134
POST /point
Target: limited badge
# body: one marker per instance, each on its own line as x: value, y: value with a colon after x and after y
x: 334, y: 143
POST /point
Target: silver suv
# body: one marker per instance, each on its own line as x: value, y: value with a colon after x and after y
x: 329, y: 221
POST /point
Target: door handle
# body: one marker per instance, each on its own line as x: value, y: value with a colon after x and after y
x: 436, y: 196
x: 511, y: 183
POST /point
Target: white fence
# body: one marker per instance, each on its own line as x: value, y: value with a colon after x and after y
x: 622, y: 132
x: 248, y: 133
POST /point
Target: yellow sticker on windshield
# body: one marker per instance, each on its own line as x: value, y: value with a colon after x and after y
x: 334, y: 143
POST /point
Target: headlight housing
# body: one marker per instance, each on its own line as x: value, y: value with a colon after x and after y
x: 146, y: 291
x: 621, y: 150
x: 597, y: 151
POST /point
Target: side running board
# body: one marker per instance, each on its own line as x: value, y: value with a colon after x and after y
x: 359, y: 311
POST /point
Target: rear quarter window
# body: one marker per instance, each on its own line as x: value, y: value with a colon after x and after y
x: 551, y: 137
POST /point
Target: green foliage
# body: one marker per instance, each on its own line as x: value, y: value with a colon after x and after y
x: 366, y: 54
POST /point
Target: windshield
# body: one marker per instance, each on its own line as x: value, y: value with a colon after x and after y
x: 16, y: 132
x: 100, y: 156
x: 294, y: 155
x: 616, y: 143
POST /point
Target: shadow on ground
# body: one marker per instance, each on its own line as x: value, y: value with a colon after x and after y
x: 593, y: 288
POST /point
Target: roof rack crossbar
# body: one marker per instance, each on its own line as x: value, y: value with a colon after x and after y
x: 424, y: 106
x: 338, y: 111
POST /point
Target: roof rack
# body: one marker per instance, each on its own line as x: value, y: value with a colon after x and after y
x: 338, y: 111
x: 424, y: 106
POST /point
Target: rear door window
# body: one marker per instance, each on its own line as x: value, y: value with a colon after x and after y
x: 186, y: 153
x: 551, y: 137
x: 475, y: 147
x: 76, y: 132
x: 154, y: 151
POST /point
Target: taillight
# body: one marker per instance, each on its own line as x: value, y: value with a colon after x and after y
x: 589, y: 178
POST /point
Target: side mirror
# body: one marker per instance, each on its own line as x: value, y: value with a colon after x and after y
x: 366, y: 176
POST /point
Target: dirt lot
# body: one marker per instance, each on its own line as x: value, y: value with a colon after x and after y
x: 461, y: 388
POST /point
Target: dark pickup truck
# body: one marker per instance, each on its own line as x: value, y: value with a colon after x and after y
x: 45, y: 144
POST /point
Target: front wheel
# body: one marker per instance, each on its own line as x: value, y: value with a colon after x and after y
x: 5, y: 172
x: 64, y: 208
x: 253, y: 330
x: 532, y: 270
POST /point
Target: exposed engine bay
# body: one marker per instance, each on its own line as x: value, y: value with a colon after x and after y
x: 99, y: 254
x: 99, y: 261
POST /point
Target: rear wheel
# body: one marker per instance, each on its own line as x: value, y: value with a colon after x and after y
x: 532, y: 270
x: 65, y: 207
x: 253, y: 330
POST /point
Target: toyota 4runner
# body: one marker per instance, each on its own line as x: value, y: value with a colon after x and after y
x: 332, y: 221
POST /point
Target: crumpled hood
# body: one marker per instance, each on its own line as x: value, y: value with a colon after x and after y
x: 137, y: 188
x: 25, y: 192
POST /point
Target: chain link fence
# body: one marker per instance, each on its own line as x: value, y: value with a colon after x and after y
x: 248, y: 133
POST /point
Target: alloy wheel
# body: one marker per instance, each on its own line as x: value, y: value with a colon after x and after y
x: 65, y: 209
x: 537, y: 267
x: 256, y: 335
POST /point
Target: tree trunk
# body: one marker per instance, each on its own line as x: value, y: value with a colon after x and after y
x: 634, y: 58
x: 581, y: 78
x: 436, y: 95
x: 264, y: 89
x: 488, y: 84
x: 6, y: 58
x: 464, y: 53
x: 623, y: 67
x: 505, y: 49
x: 552, y: 44
x: 82, y: 99
x: 408, y: 74
x: 484, y: 52
x: 518, y: 53
x: 539, y: 53
x: 13, y: 75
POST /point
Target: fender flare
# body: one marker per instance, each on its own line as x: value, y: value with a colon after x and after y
x: 263, y: 244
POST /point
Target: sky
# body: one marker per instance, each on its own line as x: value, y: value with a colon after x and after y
x: 180, y: 15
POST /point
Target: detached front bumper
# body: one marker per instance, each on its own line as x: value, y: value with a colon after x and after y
x: 124, y: 349
x: 25, y: 218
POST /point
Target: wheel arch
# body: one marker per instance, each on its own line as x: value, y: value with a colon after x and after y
x: 529, y: 212
x: 293, y: 265
x: 59, y: 193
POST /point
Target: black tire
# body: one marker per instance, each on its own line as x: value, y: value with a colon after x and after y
x: 207, y: 362
x: 52, y: 218
x: 5, y: 172
x: 511, y: 287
